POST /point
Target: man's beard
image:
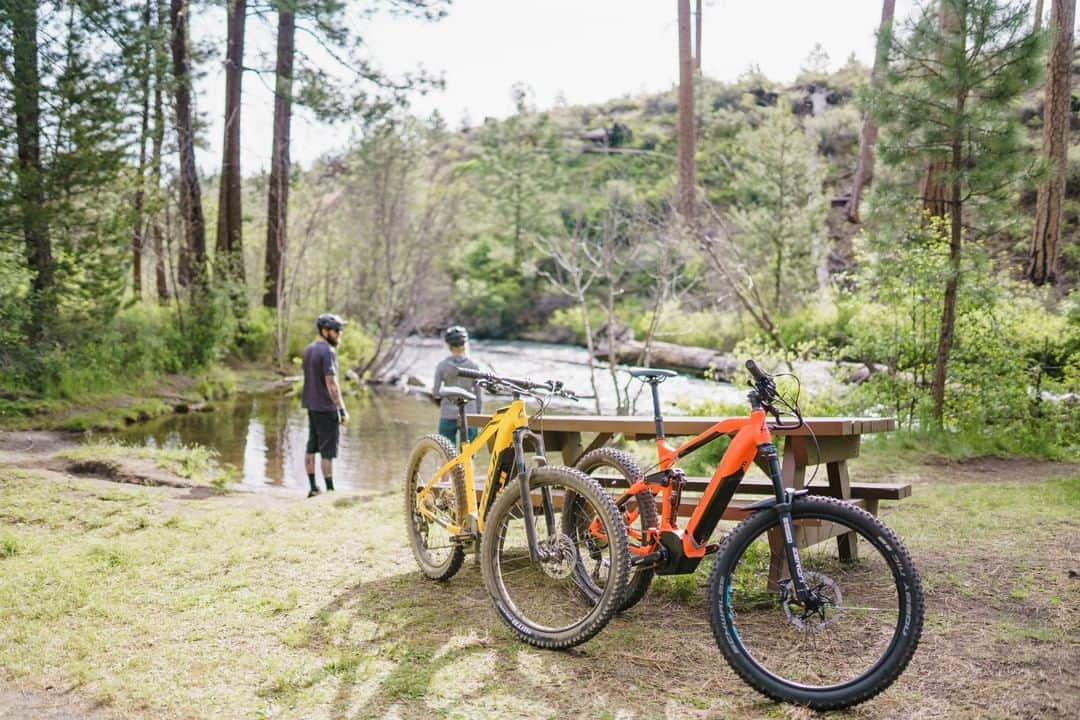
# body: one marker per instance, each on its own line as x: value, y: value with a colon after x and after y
x: 333, y: 340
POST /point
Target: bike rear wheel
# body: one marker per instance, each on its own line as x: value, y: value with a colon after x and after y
x: 437, y: 553
x: 546, y: 602
x: 869, y: 612
x: 610, y: 467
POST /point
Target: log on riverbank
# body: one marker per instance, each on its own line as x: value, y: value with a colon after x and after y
x: 682, y: 358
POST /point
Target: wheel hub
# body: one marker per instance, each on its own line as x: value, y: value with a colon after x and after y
x: 561, y: 556
x: 820, y: 612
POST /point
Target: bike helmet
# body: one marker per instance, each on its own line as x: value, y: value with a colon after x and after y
x: 329, y: 322
x: 456, y: 336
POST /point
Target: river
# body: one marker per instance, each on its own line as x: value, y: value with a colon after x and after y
x: 263, y: 435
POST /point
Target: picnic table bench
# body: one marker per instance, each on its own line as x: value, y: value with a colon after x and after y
x: 838, y: 440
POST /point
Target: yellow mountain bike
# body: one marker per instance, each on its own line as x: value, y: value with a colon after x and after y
x: 555, y: 580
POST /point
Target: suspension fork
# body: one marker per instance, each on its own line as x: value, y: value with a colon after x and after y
x: 537, y: 552
x: 784, y: 499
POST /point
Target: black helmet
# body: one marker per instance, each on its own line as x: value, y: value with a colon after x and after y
x: 329, y: 322
x: 456, y: 336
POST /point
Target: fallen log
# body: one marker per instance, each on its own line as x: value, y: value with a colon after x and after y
x: 682, y: 358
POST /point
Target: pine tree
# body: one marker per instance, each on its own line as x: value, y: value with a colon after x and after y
x: 779, y: 205
x: 230, y: 245
x: 865, y: 167
x: 300, y: 78
x: 1050, y: 202
x: 194, y: 270
x: 949, y: 98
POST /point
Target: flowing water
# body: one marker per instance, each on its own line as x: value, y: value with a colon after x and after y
x: 263, y: 436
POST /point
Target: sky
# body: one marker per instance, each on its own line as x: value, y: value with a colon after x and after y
x: 582, y: 50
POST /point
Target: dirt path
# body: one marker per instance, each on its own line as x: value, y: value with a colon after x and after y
x: 20, y: 703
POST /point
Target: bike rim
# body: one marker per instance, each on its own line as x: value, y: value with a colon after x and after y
x: 552, y: 596
x: 848, y: 639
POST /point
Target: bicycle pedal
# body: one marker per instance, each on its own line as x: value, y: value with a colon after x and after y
x: 712, y: 548
x: 465, y: 538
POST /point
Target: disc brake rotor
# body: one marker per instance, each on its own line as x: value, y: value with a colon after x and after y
x: 562, y: 557
x: 826, y: 606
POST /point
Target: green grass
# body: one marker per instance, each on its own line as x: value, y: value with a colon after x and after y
x: 193, y: 462
x: 907, y: 447
x: 161, y: 607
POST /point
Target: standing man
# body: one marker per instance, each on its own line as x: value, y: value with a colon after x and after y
x: 322, y: 399
x: 456, y: 338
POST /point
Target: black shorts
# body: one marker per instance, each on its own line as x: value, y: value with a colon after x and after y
x: 323, y: 433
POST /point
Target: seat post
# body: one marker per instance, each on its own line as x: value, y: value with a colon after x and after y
x: 657, y: 416
x: 463, y: 428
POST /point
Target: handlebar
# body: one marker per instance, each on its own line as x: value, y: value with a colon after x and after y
x: 552, y: 386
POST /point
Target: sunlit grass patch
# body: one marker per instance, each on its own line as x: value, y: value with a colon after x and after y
x: 192, y: 462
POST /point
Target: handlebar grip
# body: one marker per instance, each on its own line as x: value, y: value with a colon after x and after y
x: 474, y: 374
x: 755, y: 371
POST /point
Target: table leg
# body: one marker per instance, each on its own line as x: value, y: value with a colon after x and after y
x: 793, y: 468
x: 571, y: 448
x: 840, y: 487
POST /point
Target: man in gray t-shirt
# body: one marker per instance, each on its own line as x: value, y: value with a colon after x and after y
x: 322, y: 399
x: 456, y: 338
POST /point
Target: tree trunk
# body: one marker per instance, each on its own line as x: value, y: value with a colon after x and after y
x: 229, y: 246
x: 1038, y: 15
x: 864, y: 169
x: 952, y: 285
x: 22, y: 17
x: 139, y: 226
x: 278, y: 196
x: 935, y: 188
x: 190, y: 193
x: 158, y: 138
x: 687, y: 183
x: 697, y: 36
x: 1049, y: 207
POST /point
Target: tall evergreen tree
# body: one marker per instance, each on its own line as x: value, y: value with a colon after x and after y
x: 305, y: 81
x: 230, y: 245
x: 21, y: 19
x: 277, y: 205
x: 193, y: 268
x: 864, y: 169
x: 955, y: 75
x: 779, y: 204
x: 1050, y: 202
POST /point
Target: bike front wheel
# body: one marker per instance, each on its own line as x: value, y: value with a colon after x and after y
x: 570, y: 591
x: 427, y: 518
x: 855, y: 636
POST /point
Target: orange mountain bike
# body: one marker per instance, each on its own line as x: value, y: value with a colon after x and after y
x: 796, y: 621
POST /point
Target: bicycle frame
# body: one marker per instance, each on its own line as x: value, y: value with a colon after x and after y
x: 506, y: 429
x: 752, y: 436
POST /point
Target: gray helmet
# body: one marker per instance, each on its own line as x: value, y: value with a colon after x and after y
x: 456, y: 336
x: 329, y: 322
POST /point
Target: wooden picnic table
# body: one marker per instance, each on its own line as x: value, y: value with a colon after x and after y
x: 838, y: 440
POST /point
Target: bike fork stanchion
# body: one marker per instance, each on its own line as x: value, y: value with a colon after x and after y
x: 536, y: 552
x: 784, y: 499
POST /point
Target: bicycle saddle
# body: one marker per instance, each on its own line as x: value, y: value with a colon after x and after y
x: 455, y: 393
x: 652, y: 374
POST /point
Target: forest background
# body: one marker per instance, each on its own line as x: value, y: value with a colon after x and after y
x: 947, y: 268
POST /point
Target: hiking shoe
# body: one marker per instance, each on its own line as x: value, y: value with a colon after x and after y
x: 313, y: 492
